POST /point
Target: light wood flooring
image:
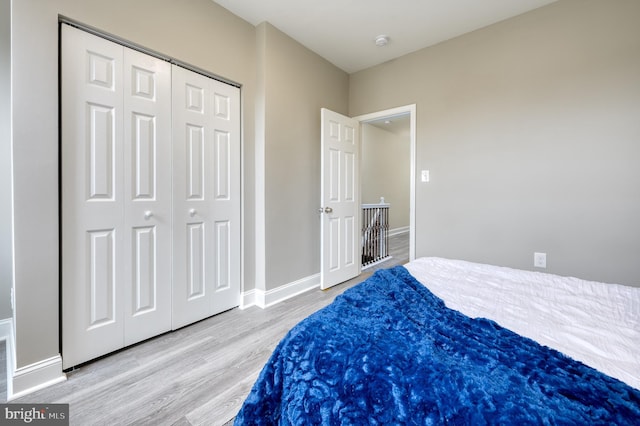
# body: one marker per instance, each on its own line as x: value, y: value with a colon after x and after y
x: 198, y: 375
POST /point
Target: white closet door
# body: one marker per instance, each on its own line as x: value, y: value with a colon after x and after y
x: 92, y: 199
x: 147, y: 195
x: 116, y: 269
x: 206, y: 156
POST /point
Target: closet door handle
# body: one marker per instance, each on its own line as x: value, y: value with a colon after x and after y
x: 148, y: 214
x: 192, y: 212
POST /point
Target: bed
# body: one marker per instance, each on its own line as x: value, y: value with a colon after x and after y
x: 441, y: 341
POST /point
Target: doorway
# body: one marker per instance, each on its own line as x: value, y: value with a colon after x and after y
x: 400, y: 123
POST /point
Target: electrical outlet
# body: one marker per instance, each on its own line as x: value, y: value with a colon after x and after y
x: 540, y: 260
x: 425, y: 176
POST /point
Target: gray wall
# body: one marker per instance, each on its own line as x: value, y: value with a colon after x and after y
x: 296, y: 83
x: 530, y: 129
x: 6, y: 262
x: 385, y: 171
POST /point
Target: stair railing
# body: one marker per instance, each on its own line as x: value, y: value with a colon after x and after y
x: 375, y: 227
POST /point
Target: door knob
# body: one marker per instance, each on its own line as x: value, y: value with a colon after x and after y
x: 148, y: 214
x: 192, y: 212
x: 328, y: 210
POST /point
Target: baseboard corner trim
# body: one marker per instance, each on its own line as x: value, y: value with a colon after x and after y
x: 36, y: 376
x: 265, y: 299
x: 247, y: 299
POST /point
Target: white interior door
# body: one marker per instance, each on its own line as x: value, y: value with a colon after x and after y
x: 206, y: 184
x: 340, y: 199
x: 116, y: 198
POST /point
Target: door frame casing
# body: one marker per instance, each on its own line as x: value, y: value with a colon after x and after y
x: 389, y: 113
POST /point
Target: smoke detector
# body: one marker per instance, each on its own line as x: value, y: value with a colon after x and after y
x: 382, y: 40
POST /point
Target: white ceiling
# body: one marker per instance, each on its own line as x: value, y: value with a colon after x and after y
x: 398, y: 125
x: 343, y: 31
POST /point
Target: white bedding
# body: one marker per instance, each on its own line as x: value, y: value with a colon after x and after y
x: 595, y: 323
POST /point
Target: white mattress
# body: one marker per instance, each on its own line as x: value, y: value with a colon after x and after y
x: 595, y: 323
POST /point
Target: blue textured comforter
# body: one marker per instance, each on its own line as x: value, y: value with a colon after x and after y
x: 388, y: 351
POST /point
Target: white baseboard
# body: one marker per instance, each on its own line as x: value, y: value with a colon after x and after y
x: 25, y: 380
x: 36, y: 376
x: 396, y: 231
x: 247, y: 299
x: 264, y: 299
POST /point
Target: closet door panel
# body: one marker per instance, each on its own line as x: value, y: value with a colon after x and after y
x: 92, y: 197
x: 225, y: 194
x: 102, y: 283
x: 147, y: 193
x: 192, y: 295
x: 206, y: 196
x: 195, y: 262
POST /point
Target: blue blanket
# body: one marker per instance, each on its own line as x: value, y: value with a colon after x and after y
x: 388, y: 351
